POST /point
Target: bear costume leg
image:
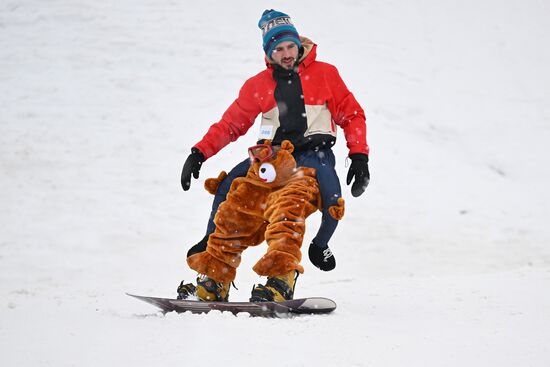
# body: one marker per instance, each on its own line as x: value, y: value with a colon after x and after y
x: 286, y: 213
x: 239, y: 223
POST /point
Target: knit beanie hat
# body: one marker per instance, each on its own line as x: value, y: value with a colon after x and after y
x: 276, y: 28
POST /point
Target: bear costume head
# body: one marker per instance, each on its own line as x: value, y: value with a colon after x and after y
x: 271, y: 165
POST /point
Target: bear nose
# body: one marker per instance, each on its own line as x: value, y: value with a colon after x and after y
x: 262, y: 170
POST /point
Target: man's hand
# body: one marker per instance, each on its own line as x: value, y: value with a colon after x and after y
x: 192, y: 166
x: 360, y: 170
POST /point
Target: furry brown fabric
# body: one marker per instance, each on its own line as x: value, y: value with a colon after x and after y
x: 211, y: 184
x: 256, y: 209
x: 337, y: 211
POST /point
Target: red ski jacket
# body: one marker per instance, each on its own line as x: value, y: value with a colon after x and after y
x: 327, y: 100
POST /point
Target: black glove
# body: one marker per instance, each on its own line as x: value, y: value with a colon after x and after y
x: 192, y: 165
x: 360, y: 169
x: 322, y: 258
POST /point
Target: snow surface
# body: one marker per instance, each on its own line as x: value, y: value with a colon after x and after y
x: 445, y: 261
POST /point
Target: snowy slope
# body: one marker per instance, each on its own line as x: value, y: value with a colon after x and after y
x: 444, y: 261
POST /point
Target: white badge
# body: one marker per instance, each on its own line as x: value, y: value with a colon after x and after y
x: 266, y: 132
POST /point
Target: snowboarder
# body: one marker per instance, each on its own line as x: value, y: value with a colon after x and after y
x: 301, y: 100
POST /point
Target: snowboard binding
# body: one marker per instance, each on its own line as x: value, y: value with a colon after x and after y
x: 186, y: 290
x: 278, y: 289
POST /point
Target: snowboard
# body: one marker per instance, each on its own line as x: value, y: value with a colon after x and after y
x: 311, y: 305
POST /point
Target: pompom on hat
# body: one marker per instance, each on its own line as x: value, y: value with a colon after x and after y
x: 277, y: 27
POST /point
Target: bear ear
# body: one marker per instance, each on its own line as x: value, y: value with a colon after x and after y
x: 287, y: 145
x: 267, y: 142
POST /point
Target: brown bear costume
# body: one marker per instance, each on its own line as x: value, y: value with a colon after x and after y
x: 271, y: 202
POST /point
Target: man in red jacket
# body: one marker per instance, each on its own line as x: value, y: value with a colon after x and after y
x: 302, y: 100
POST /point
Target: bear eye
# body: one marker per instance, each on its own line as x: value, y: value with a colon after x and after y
x: 267, y: 172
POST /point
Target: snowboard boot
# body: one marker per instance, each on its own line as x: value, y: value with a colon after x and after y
x: 209, y: 290
x: 279, y: 288
x: 186, y: 290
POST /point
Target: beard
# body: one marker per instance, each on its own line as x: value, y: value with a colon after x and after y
x: 288, y: 62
